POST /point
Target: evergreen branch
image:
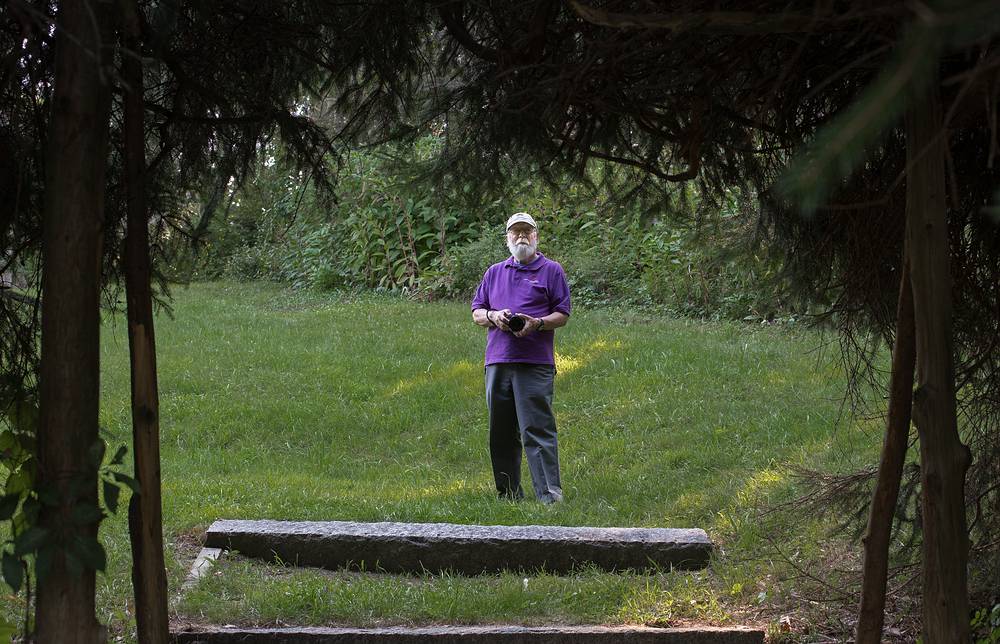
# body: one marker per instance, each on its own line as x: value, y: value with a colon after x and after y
x: 839, y: 146
x: 726, y: 22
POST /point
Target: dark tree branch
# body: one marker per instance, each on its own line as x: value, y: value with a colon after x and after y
x: 451, y: 15
x: 651, y: 168
x: 725, y: 22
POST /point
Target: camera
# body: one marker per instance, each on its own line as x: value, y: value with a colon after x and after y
x: 516, y: 324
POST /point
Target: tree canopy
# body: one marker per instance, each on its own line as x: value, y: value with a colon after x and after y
x: 802, y: 106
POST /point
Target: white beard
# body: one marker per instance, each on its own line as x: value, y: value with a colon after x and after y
x: 522, y: 252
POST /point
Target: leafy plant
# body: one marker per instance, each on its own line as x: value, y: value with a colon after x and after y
x: 32, y: 546
x: 985, y: 625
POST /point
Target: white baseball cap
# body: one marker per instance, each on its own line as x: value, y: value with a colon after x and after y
x: 519, y: 217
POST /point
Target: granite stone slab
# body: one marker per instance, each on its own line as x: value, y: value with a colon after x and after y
x: 465, y: 549
x: 474, y: 635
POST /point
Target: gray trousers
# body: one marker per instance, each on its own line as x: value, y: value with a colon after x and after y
x: 519, y: 399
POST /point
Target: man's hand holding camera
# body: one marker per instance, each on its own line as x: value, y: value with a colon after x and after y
x: 519, y: 324
x: 499, y: 318
x: 527, y: 327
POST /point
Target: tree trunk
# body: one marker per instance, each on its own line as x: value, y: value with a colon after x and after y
x: 149, y: 579
x: 69, y: 379
x: 871, y: 614
x: 943, y: 457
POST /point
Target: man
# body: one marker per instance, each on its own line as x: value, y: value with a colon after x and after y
x: 530, y: 290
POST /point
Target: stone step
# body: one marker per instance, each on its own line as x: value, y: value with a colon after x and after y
x: 474, y: 635
x: 465, y: 549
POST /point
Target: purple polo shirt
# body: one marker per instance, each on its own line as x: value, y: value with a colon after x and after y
x: 536, y: 289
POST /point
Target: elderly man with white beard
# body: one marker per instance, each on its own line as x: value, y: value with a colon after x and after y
x: 522, y: 300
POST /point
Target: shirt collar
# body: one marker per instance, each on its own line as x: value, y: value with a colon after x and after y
x: 533, y: 266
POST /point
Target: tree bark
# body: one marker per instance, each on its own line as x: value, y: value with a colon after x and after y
x: 149, y: 579
x: 871, y: 614
x: 943, y: 458
x: 69, y: 378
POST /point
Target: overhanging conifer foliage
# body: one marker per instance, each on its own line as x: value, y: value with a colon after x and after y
x: 803, y: 103
x: 217, y: 80
x: 730, y: 95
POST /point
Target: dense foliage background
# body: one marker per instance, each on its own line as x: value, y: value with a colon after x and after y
x: 389, y: 225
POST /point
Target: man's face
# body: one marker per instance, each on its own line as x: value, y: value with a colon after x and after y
x: 522, y: 233
x: 522, y: 240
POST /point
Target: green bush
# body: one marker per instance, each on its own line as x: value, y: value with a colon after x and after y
x: 701, y: 272
x: 601, y: 275
x: 458, y: 274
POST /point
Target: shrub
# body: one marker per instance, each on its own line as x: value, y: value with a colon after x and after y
x: 458, y: 274
x: 414, y: 236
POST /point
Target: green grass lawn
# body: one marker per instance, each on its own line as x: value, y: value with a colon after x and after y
x: 292, y: 405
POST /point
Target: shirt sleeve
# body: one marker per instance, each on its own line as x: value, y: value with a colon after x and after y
x: 559, y: 292
x: 481, y: 300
